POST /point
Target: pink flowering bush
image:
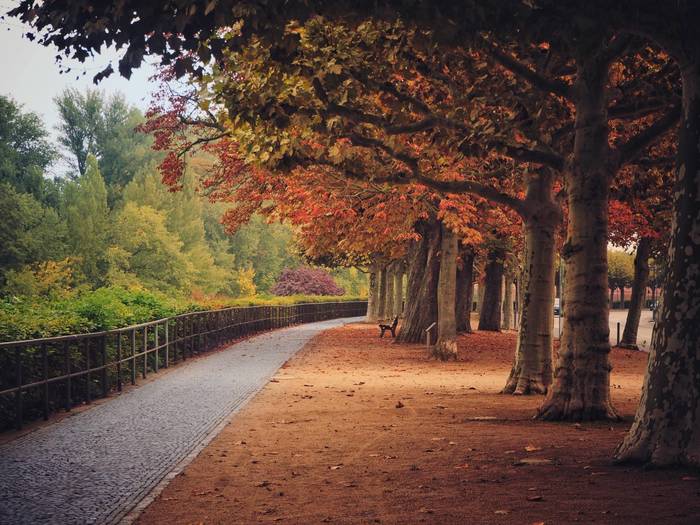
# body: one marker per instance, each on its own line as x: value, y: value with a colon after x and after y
x: 306, y: 281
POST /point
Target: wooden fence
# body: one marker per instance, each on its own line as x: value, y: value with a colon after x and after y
x: 41, y: 376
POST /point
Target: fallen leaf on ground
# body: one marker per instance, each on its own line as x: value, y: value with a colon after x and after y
x: 462, y: 466
x: 533, y: 461
x: 534, y: 498
x: 502, y: 512
x: 532, y: 448
x: 399, y: 404
x: 335, y: 467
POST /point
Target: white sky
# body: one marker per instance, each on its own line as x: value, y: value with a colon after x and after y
x: 30, y: 75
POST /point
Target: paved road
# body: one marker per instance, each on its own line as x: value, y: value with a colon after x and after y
x: 620, y: 316
x: 95, y: 466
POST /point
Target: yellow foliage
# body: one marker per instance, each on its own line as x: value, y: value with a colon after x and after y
x: 246, y: 285
x: 49, y: 278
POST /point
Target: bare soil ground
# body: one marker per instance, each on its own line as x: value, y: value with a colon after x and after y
x: 357, y: 429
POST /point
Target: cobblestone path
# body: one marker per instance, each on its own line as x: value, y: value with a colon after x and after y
x: 95, y: 466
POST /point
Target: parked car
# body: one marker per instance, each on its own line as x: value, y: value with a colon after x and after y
x: 556, y: 306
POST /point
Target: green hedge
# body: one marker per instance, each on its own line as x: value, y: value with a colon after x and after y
x: 114, y: 307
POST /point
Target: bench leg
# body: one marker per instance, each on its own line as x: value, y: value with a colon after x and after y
x: 382, y: 334
x: 393, y: 332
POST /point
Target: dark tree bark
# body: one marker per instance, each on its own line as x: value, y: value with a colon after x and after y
x: 666, y: 428
x: 480, y: 296
x: 465, y: 290
x: 446, y: 346
x: 581, y: 388
x: 398, y: 288
x: 507, y: 317
x: 421, y: 294
x: 639, y: 292
x: 381, y: 299
x: 389, y: 306
x: 490, y: 316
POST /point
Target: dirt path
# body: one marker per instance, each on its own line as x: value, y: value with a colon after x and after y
x: 360, y: 430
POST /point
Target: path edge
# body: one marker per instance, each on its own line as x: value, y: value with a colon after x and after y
x: 137, y: 509
x: 130, y: 515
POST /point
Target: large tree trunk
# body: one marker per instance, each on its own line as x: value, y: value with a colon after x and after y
x: 581, y: 389
x: 532, y: 367
x: 639, y: 291
x: 389, y: 307
x: 446, y: 346
x: 421, y: 294
x: 465, y: 290
x: 398, y: 288
x: 666, y: 428
x: 490, y: 316
x: 381, y: 308
x: 373, y: 295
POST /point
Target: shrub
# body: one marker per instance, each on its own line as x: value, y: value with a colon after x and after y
x: 306, y: 281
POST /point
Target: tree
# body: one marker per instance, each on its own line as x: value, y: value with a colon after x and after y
x: 106, y: 127
x: 446, y: 345
x: 123, y: 150
x: 29, y: 232
x: 465, y: 289
x: 639, y: 292
x: 143, y: 252
x: 87, y: 217
x: 620, y: 272
x: 25, y: 151
x: 80, y: 126
x: 666, y: 429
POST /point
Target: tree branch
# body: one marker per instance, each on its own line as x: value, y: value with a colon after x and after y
x: 431, y: 120
x: 540, y: 157
x: 618, y: 46
x: 556, y: 87
x: 635, y: 109
x: 628, y: 151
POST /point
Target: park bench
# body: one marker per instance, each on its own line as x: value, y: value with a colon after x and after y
x: 391, y: 327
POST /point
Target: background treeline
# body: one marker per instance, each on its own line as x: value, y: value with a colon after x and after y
x: 105, y: 244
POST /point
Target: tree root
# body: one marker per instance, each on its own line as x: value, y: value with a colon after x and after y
x: 559, y: 410
x: 445, y: 350
x: 525, y: 386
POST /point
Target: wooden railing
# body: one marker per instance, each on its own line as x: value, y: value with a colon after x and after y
x: 41, y: 376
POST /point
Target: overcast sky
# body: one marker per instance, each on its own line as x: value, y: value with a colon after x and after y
x: 31, y: 76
